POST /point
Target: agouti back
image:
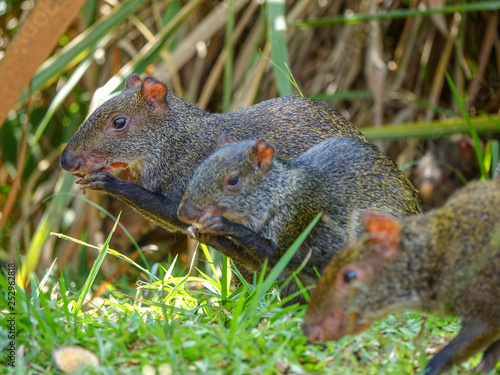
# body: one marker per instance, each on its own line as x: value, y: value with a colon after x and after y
x: 263, y: 202
x: 161, y: 138
x: 445, y: 261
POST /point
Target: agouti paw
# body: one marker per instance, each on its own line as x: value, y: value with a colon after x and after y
x: 193, y: 232
x: 217, y: 226
x: 98, y: 181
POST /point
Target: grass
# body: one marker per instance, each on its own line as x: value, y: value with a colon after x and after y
x: 194, y: 334
x: 175, y: 324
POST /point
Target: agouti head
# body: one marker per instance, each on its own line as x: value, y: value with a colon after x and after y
x: 109, y: 139
x: 226, y: 184
x: 347, y: 299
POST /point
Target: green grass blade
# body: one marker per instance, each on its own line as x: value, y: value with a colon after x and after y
x: 495, y: 151
x: 276, y: 22
x: 95, y: 269
x: 100, y: 208
x: 280, y: 266
x: 60, y: 97
x: 206, y: 252
x: 45, y: 277
x: 472, y: 129
x: 50, y: 219
x: 400, y: 13
x: 228, y: 63
x: 110, y: 251
x: 434, y: 129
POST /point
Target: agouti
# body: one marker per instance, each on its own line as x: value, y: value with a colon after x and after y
x: 445, y: 261
x: 263, y: 202
x: 161, y: 138
x: 444, y: 168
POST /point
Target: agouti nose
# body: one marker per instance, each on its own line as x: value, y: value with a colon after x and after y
x: 313, y: 331
x: 188, y: 214
x: 71, y: 163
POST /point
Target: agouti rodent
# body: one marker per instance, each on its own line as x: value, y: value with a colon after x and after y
x: 263, y: 203
x: 162, y: 138
x: 445, y: 168
x: 445, y: 261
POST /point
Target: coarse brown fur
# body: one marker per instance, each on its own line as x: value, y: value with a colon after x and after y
x: 445, y: 261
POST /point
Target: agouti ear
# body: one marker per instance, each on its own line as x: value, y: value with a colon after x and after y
x: 263, y: 154
x: 133, y: 80
x: 384, y: 232
x: 154, y: 92
x: 222, y: 141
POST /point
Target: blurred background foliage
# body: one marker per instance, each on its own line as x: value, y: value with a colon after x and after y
x: 381, y: 63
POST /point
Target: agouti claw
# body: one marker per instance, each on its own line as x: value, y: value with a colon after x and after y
x: 97, y: 181
x: 217, y: 225
x: 193, y: 232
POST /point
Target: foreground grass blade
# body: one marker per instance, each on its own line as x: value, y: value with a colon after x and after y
x: 110, y: 251
x: 95, y: 269
x: 50, y: 219
x: 280, y: 266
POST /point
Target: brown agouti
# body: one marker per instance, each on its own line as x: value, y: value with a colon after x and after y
x: 263, y: 203
x: 162, y: 138
x: 445, y: 168
x: 445, y: 261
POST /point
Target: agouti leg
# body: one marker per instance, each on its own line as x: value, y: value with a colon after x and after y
x: 155, y: 207
x: 227, y: 247
x: 490, y: 358
x: 257, y: 246
x: 472, y: 338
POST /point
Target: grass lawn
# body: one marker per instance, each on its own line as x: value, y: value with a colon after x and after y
x: 198, y: 325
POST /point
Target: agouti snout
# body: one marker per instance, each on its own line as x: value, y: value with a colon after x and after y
x: 445, y: 261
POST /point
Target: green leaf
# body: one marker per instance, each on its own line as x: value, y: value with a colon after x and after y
x: 276, y: 22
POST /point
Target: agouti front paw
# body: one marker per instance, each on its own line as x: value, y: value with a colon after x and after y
x: 193, y: 233
x: 102, y: 181
x: 217, y: 226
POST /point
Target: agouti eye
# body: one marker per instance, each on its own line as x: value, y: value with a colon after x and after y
x: 119, y: 123
x: 232, y: 182
x: 350, y: 276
